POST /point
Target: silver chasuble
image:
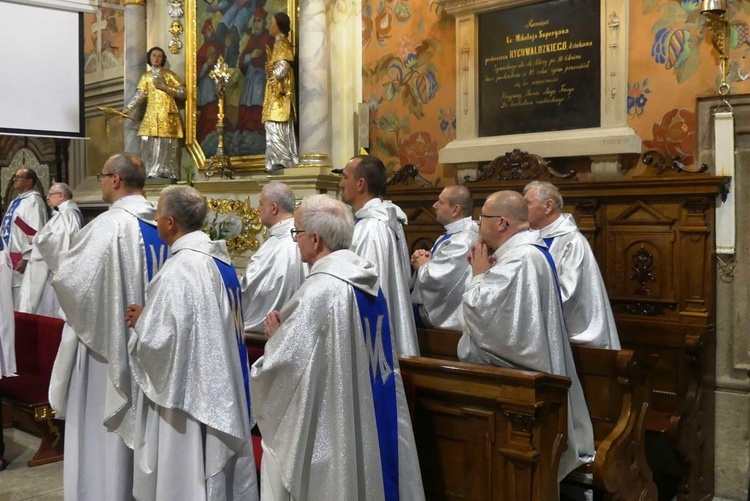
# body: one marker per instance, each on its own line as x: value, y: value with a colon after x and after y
x: 107, y: 267
x: 26, y: 215
x: 588, y: 313
x: 328, y: 394
x: 513, y: 318
x: 273, y: 275
x: 36, y: 294
x: 439, y: 284
x: 379, y: 238
x: 192, y: 436
x: 7, y: 321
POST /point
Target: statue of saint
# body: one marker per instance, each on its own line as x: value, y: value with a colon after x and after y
x: 279, y: 101
x: 161, y: 128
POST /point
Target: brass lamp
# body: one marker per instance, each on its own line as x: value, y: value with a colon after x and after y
x: 718, y: 24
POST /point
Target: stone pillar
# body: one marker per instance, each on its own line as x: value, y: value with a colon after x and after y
x: 345, y: 36
x: 135, y: 64
x: 314, y: 85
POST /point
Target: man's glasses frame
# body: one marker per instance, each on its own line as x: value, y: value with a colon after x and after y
x: 488, y: 216
x: 104, y: 174
x: 295, y: 233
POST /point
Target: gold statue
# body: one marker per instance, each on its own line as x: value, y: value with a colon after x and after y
x: 279, y: 103
x: 161, y: 128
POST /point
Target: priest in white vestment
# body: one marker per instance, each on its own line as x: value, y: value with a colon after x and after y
x: 379, y: 238
x: 107, y: 267
x: 36, y: 294
x: 328, y: 394
x: 7, y: 334
x: 276, y: 271
x: 588, y: 313
x: 513, y: 316
x: 26, y: 215
x: 192, y: 435
x: 442, y: 273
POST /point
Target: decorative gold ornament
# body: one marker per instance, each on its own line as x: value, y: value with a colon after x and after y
x: 175, y: 45
x: 240, y: 215
x: 718, y: 24
x: 110, y: 113
x: 220, y: 163
x: 175, y: 28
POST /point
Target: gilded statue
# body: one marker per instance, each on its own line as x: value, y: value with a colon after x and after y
x: 279, y: 102
x: 161, y: 128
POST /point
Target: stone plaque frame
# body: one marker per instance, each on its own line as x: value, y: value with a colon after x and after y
x: 192, y: 33
x: 606, y: 142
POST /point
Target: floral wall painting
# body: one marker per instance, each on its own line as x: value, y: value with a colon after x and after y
x: 408, y: 75
x: 637, y: 98
x: 675, y: 135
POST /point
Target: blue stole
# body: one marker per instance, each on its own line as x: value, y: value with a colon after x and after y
x: 234, y: 292
x: 551, y: 262
x: 440, y: 241
x: 376, y: 327
x: 548, y: 241
x: 155, y: 248
x: 7, y: 220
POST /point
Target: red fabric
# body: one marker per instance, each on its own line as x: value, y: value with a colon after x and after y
x: 253, y: 354
x: 257, y: 451
x: 37, y: 341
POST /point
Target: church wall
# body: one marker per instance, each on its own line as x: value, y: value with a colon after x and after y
x: 409, y: 75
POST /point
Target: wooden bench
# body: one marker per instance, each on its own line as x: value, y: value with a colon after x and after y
x: 37, y: 340
x: 482, y: 433
x: 616, y: 385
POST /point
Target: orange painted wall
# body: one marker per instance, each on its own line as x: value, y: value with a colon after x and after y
x: 409, y: 73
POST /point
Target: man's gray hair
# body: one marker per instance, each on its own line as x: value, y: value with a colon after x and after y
x: 282, y: 195
x: 130, y: 169
x: 63, y: 188
x: 186, y: 205
x: 330, y: 218
x: 545, y: 191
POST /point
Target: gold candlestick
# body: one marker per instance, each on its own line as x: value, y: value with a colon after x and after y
x: 219, y: 163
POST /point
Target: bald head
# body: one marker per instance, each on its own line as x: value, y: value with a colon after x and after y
x: 503, y: 215
x: 460, y: 195
x: 509, y: 204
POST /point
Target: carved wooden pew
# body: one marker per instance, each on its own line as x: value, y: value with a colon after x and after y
x: 616, y: 385
x: 483, y: 433
x: 37, y: 340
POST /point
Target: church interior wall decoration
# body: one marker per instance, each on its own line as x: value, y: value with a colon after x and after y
x: 238, y: 31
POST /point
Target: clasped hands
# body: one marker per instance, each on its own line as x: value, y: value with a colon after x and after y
x: 132, y: 314
x: 420, y: 257
x: 480, y: 258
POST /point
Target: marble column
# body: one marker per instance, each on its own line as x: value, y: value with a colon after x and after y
x: 345, y: 35
x: 314, y: 84
x: 135, y: 64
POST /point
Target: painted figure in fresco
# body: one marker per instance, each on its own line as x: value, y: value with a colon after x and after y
x: 252, y: 63
x: 279, y: 101
x: 161, y: 128
x: 207, y: 100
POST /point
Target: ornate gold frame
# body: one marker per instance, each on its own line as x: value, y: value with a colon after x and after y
x: 248, y: 238
x: 247, y: 163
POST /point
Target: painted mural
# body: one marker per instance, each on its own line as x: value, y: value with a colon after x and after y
x: 409, y: 76
x: 409, y: 82
x: 104, y: 43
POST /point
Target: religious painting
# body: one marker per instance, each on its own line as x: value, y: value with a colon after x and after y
x: 236, y: 30
x: 104, y: 43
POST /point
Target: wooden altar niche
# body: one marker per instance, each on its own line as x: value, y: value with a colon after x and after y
x: 653, y: 238
x: 50, y: 151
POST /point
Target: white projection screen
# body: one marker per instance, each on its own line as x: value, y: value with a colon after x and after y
x: 41, y: 83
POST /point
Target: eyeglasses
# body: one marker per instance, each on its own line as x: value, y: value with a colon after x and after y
x: 295, y: 233
x: 104, y: 174
x: 16, y: 176
x: 487, y: 216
